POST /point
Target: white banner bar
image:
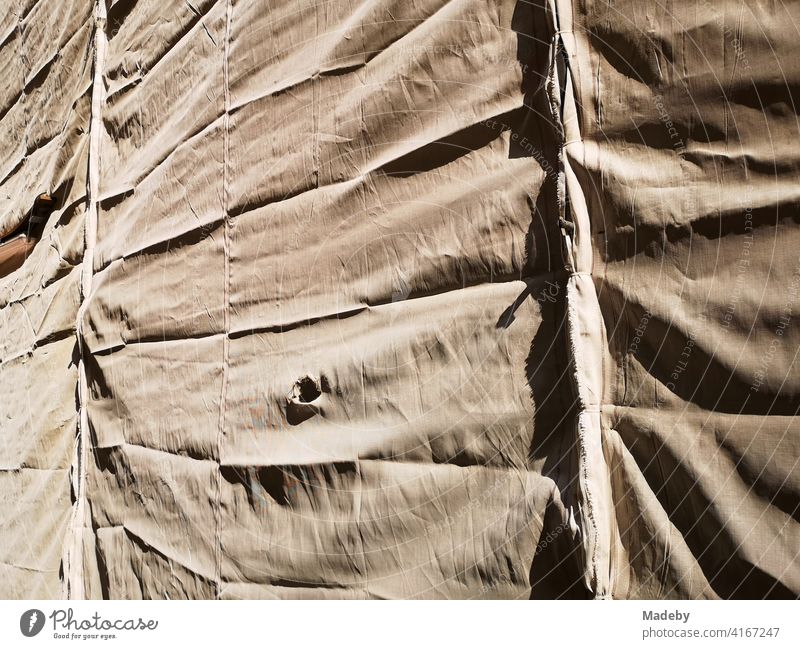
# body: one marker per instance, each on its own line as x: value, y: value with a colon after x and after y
x: 386, y: 625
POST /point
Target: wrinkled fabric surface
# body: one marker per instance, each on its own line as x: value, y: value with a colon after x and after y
x: 400, y: 299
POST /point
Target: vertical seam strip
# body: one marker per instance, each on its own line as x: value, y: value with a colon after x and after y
x: 227, y: 296
x: 74, y: 573
x: 585, y: 332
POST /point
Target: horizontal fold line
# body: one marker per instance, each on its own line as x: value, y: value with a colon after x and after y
x: 372, y: 168
x: 282, y: 328
x: 189, y: 29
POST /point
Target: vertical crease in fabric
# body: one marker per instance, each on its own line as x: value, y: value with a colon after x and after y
x: 585, y: 332
x: 227, y: 297
x: 74, y: 577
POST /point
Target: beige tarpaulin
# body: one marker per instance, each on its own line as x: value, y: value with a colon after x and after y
x: 391, y: 298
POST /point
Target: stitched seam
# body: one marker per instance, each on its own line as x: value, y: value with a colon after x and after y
x: 227, y: 296
x: 74, y: 575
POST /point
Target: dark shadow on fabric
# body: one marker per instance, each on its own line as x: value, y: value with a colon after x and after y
x: 626, y: 239
x: 702, y: 380
x: 640, y: 57
x: 442, y: 152
x: 556, y: 571
x: 683, y: 498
